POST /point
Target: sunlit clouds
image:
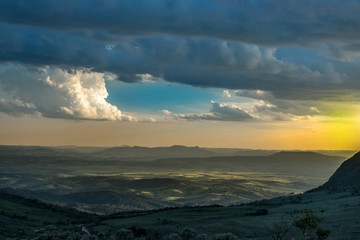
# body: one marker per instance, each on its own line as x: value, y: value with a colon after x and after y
x: 56, y: 93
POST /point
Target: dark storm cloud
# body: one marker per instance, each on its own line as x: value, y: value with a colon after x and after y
x: 255, y: 21
x: 225, y: 44
x: 38, y: 46
x: 203, y: 62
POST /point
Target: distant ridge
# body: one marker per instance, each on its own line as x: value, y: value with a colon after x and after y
x: 299, y: 154
x: 156, y: 152
x: 346, y: 177
x: 26, y: 150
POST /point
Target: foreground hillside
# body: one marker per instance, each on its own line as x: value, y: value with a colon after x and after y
x: 22, y: 218
x: 255, y: 220
x: 346, y: 177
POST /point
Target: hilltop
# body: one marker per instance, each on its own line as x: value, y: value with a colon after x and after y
x: 346, y: 177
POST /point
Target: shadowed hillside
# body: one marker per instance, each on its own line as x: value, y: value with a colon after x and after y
x: 346, y: 177
x: 24, y: 218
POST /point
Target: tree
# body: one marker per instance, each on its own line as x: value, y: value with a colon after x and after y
x: 308, y: 222
x: 322, y: 234
x: 188, y: 234
x: 279, y: 230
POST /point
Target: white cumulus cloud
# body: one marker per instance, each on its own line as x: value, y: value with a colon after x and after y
x: 57, y: 93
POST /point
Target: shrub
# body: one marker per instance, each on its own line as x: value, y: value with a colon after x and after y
x: 124, y: 234
x: 188, y: 234
x: 224, y: 236
x: 138, y: 231
x: 202, y: 236
x: 172, y: 236
x: 322, y: 234
x: 259, y: 212
x: 308, y: 222
x: 279, y: 230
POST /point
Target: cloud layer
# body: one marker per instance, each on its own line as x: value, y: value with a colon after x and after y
x: 269, y: 107
x: 257, y: 21
x: 203, y: 62
x: 218, y: 112
x: 298, y: 53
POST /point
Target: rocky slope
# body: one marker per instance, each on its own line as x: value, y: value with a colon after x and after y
x: 346, y: 177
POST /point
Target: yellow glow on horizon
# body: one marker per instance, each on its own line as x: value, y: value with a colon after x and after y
x: 344, y: 129
x: 307, y: 134
x: 342, y: 133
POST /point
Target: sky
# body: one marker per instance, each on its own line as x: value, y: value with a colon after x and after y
x: 236, y: 73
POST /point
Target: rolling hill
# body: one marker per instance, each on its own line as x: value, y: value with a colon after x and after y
x: 300, y: 163
x: 89, y: 181
x: 25, y: 218
x: 346, y: 177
